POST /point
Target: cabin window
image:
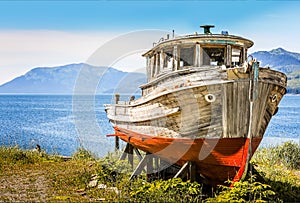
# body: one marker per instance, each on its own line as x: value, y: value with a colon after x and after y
x: 236, y: 57
x: 187, y: 56
x: 213, y: 56
x: 168, y: 58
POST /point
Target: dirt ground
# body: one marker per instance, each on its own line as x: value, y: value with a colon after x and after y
x: 44, y: 182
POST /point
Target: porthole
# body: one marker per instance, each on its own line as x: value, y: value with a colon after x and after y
x: 274, y: 98
x: 210, y: 98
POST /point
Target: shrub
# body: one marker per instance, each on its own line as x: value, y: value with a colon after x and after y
x: 277, y: 167
x: 244, y: 191
x: 83, y: 154
x: 172, y: 190
x: 14, y: 155
x: 287, y: 154
x: 114, y: 170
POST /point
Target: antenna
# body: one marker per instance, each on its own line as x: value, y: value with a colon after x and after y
x: 207, y: 28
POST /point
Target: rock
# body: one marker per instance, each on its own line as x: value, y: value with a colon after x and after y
x: 113, y: 189
x: 95, y: 177
x: 80, y: 190
x: 102, y: 186
x: 93, y: 183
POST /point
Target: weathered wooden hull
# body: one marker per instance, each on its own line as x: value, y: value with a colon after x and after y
x: 185, y: 111
x: 201, y: 116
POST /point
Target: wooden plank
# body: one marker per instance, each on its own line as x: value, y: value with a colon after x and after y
x: 235, y: 113
x: 130, y: 155
x: 264, y: 94
x: 149, y: 164
x: 224, y: 111
x: 229, y: 109
x: 125, y: 152
x: 192, y: 171
x: 182, y: 170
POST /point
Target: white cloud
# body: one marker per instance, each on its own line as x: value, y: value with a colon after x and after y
x: 22, y: 50
x: 272, y: 30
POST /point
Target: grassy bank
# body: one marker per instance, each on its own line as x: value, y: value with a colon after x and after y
x: 36, y: 176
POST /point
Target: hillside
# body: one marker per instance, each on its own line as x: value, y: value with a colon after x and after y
x: 63, y: 79
x: 92, y: 79
x: 284, y: 61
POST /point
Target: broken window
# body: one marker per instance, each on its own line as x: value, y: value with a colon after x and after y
x: 187, y: 56
x: 213, y: 56
x: 168, y: 58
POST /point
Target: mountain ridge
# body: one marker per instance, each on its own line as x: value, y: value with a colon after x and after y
x: 63, y: 80
x: 83, y: 78
x: 285, y: 61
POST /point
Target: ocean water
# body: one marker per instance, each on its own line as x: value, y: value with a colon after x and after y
x: 58, y: 123
x: 63, y: 123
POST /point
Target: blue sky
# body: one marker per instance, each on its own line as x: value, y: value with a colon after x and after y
x: 128, y: 15
x: 50, y: 33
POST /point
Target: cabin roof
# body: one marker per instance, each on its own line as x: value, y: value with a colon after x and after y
x: 210, y: 39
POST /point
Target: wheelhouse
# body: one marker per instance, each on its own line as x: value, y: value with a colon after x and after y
x: 197, y: 50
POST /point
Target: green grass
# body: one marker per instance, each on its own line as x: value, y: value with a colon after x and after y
x: 36, y: 176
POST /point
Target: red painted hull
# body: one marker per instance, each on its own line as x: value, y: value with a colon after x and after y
x: 217, y: 159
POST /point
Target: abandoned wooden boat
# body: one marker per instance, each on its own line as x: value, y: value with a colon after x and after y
x: 205, y: 102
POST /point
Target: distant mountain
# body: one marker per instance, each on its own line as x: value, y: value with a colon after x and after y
x: 81, y: 78
x: 284, y: 61
x: 87, y: 79
x: 279, y: 59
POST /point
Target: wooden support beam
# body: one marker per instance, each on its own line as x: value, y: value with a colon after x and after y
x: 139, y: 168
x: 138, y: 153
x: 149, y: 163
x: 156, y: 164
x: 192, y: 171
x: 182, y: 170
x: 130, y: 155
x: 125, y: 152
x: 117, y: 145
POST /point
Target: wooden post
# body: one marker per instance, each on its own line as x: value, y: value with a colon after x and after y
x: 149, y: 163
x: 182, y: 170
x: 149, y: 166
x: 201, y: 56
x: 152, y: 67
x: 244, y: 54
x: 156, y: 164
x: 192, y: 171
x: 138, y: 153
x: 228, y: 56
x: 139, y: 168
x: 148, y: 68
x: 162, y: 59
x: 117, y: 145
x: 197, y: 55
x: 157, y: 63
x: 125, y: 153
x: 175, y: 58
x: 130, y: 154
